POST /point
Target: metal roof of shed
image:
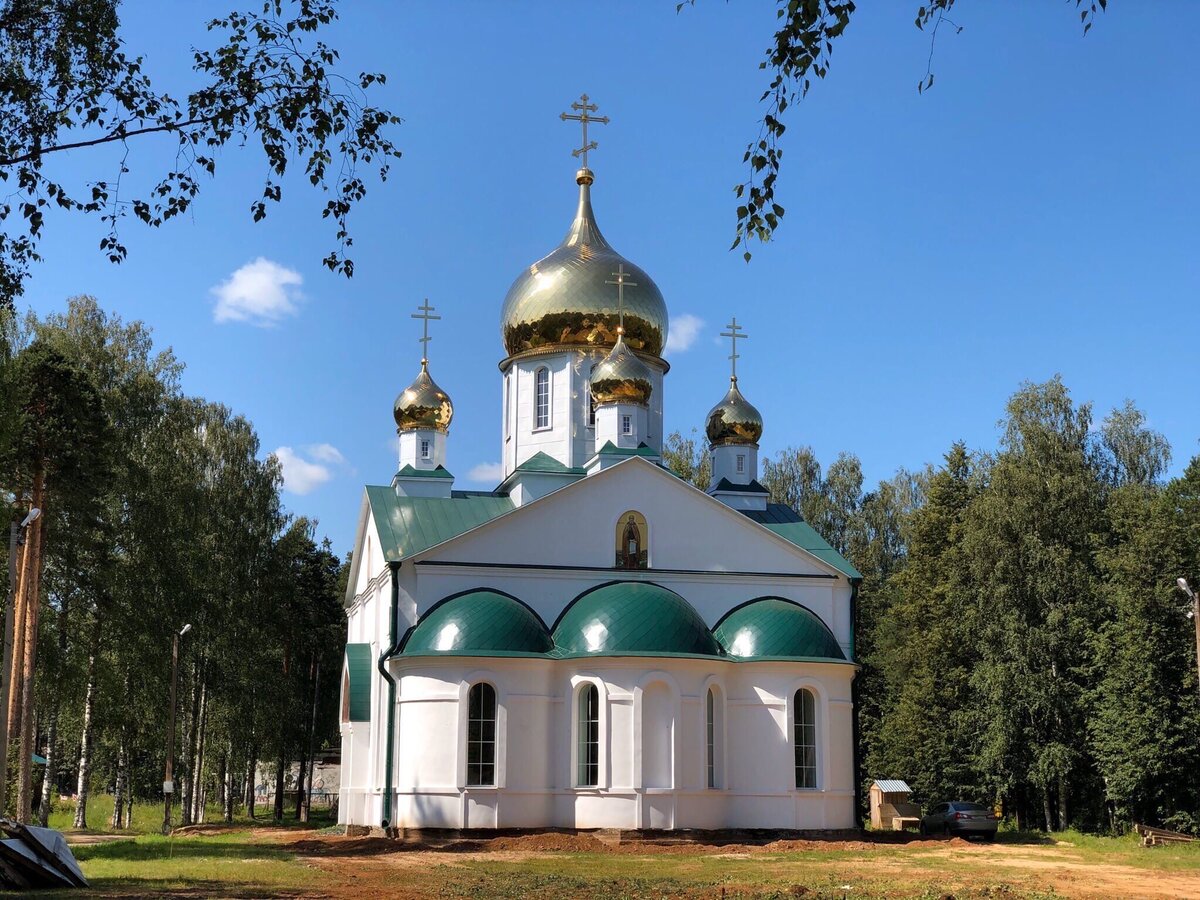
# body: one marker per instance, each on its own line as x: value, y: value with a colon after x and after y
x: 892, y: 786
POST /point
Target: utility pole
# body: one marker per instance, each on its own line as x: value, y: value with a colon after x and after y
x: 168, y: 776
x: 15, y: 532
x: 1194, y: 615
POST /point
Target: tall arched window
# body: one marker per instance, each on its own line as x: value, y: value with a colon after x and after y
x: 541, y: 398
x: 591, y: 418
x: 481, y: 736
x: 588, y: 737
x: 805, y: 738
x: 710, y: 738
x: 632, y: 540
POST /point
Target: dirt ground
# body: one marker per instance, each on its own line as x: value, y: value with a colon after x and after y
x: 543, y: 863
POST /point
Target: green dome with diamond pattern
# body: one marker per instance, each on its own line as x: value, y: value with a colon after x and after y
x: 478, y: 623
x: 774, y: 628
x: 632, y: 618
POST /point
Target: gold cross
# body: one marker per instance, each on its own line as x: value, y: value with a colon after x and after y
x: 734, y: 337
x: 622, y: 280
x: 583, y: 118
x: 426, y: 313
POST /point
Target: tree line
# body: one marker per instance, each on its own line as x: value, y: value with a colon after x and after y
x: 157, y: 512
x: 1022, y: 639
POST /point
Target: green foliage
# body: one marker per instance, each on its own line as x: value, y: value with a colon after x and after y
x: 688, y: 458
x: 67, y: 83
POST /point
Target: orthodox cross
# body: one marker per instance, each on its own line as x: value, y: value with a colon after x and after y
x: 426, y: 313
x: 583, y: 118
x: 622, y: 280
x: 734, y: 337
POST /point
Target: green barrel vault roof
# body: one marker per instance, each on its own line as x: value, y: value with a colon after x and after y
x: 774, y: 628
x: 478, y: 623
x: 787, y: 523
x: 632, y: 618
x: 408, y: 525
x: 358, y: 670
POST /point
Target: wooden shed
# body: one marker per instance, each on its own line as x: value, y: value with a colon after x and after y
x: 890, y: 807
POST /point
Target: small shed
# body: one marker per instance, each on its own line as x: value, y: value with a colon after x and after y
x: 890, y: 807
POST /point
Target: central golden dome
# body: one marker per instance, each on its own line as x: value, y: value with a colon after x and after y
x: 621, y: 377
x: 734, y: 420
x: 563, y: 300
x: 423, y: 405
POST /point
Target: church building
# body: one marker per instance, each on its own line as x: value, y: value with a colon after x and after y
x: 595, y: 643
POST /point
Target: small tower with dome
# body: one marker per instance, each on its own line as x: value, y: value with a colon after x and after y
x: 733, y: 429
x: 423, y: 412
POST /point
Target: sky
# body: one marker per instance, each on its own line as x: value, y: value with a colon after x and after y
x: 1034, y: 213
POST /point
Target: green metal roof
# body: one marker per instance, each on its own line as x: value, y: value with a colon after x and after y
x: 611, y: 449
x: 632, y: 618
x: 786, y: 522
x: 358, y: 670
x: 408, y: 525
x: 752, y: 488
x: 478, y: 623
x: 543, y: 462
x: 409, y: 471
x: 774, y: 628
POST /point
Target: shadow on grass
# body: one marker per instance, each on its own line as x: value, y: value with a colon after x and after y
x: 152, y: 887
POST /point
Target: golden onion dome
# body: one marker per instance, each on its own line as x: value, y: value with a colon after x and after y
x: 734, y: 420
x: 566, y: 299
x: 621, y: 377
x: 423, y: 405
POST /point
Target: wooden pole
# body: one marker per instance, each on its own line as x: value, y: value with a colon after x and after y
x: 28, y: 668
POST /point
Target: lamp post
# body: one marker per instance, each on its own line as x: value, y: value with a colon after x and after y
x: 168, y: 777
x: 16, y: 534
x: 1193, y: 614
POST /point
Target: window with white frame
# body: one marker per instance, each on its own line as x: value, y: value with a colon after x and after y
x: 626, y: 424
x: 507, y: 406
x: 424, y: 448
x: 741, y: 463
x: 591, y: 401
x: 710, y: 734
x: 541, y: 398
x: 805, y: 738
x: 481, y: 735
x: 587, y: 770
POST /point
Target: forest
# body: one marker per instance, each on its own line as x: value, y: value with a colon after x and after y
x: 1022, y: 638
x: 158, y: 511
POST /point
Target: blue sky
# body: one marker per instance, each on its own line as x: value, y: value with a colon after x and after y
x: 1034, y: 213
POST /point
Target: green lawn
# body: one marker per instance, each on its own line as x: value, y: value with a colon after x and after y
x: 147, y: 817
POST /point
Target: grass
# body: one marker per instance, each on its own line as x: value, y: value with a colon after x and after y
x: 147, y: 817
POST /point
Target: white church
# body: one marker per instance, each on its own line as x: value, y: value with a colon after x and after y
x: 595, y: 643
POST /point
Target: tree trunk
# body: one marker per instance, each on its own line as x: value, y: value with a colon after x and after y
x: 251, y: 778
x: 198, y: 771
x: 190, y: 728
x: 20, y: 613
x: 280, y: 771
x: 227, y: 787
x: 51, y: 762
x: 85, y: 742
x: 306, y: 787
x: 28, y: 663
x: 1046, y: 809
x: 122, y: 777
x: 1063, y: 823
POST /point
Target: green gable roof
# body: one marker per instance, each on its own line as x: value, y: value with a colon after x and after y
x: 358, y: 671
x: 632, y: 618
x: 543, y: 462
x: 774, y: 628
x: 611, y: 449
x: 478, y: 623
x: 786, y: 522
x: 409, y: 471
x: 408, y: 525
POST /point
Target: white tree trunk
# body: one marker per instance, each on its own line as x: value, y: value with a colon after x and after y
x: 85, y: 743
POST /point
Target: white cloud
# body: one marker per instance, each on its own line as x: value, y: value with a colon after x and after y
x: 325, y: 453
x: 261, y: 293
x: 301, y: 476
x: 486, y: 473
x: 685, y: 328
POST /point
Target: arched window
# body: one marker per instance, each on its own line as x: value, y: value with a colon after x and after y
x: 588, y: 737
x: 805, y: 738
x: 481, y: 736
x: 541, y: 398
x: 710, y: 734
x: 591, y: 418
x: 632, y: 534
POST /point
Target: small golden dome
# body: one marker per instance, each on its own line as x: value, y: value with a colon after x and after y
x: 734, y: 420
x: 423, y: 405
x: 566, y: 299
x: 621, y: 377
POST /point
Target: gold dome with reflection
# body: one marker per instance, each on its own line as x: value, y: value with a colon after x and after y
x: 734, y: 420
x: 423, y: 405
x: 562, y: 300
x: 621, y: 377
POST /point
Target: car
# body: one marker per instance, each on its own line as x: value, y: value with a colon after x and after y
x: 962, y: 819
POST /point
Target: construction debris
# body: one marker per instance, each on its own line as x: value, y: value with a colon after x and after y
x: 1157, y: 837
x: 32, y: 857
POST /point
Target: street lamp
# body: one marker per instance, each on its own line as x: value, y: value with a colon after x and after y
x: 1194, y: 615
x: 168, y: 777
x: 16, y: 536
